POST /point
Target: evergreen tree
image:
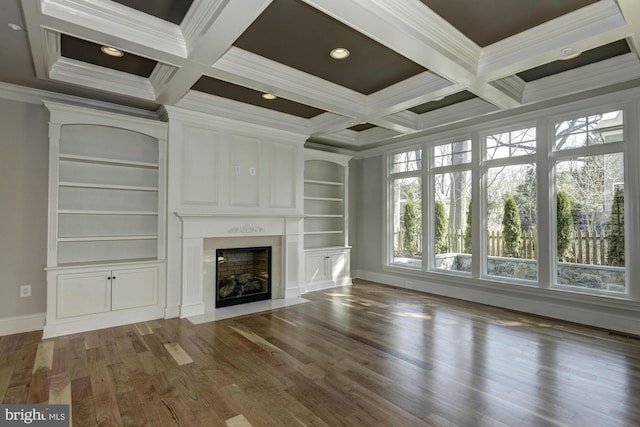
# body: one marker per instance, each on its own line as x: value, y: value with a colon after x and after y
x: 467, y: 231
x: 615, y: 229
x: 441, y: 228
x: 511, y: 228
x: 410, y: 225
x: 564, y: 225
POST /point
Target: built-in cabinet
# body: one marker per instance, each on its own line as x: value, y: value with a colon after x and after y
x: 107, y: 211
x: 327, y: 250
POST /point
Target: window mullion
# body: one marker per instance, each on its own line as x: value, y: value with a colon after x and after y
x: 478, y: 220
x: 546, y: 229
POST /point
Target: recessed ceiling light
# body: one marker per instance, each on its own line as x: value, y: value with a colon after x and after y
x: 339, y: 53
x: 569, y: 53
x: 440, y: 98
x: 112, y: 51
x: 269, y: 96
x: 15, y: 27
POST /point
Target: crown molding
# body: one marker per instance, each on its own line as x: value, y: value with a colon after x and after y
x: 37, y: 96
x: 235, y: 124
x: 199, y: 19
x: 631, y: 13
x: 413, y: 91
x: 512, y: 85
x: 328, y: 123
x: 116, y: 20
x: 241, y: 112
x: 413, y: 24
x: 345, y: 137
x: 248, y: 69
x: 377, y: 134
x: 93, y: 76
x: 601, y: 21
x: 455, y: 113
x: 402, y: 122
x: 605, y: 73
x: 161, y: 76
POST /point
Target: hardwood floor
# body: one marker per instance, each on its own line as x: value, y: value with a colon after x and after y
x: 361, y: 355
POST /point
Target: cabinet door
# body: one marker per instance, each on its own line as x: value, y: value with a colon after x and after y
x: 316, y: 268
x: 339, y: 265
x: 83, y: 293
x: 134, y: 288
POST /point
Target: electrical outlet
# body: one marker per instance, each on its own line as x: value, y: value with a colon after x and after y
x: 25, y: 291
x: 252, y: 171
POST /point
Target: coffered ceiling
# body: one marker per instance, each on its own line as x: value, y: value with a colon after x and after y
x: 413, y: 64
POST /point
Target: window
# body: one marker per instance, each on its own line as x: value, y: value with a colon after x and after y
x: 591, y: 130
x: 406, y: 207
x: 511, y: 204
x: 511, y: 144
x: 451, y: 219
x: 550, y: 208
x: 589, y: 208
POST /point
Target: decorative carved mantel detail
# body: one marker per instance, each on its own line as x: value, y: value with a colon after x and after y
x: 246, y: 228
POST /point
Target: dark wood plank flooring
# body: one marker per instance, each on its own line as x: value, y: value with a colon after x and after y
x: 360, y: 355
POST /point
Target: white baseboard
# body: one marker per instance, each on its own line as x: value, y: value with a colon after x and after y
x: 100, y: 321
x: 171, y: 312
x: 18, y: 324
x: 607, y: 316
x: 318, y: 286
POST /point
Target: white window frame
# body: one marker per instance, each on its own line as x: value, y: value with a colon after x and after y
x: 544, y: 121
x: 558, y: 155
x: 389, y: 177
x: 429, y: 204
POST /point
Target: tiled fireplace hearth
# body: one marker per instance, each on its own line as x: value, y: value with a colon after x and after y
x: 203, y: 235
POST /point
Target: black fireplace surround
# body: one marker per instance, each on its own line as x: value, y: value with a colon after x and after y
x: 242, y: 275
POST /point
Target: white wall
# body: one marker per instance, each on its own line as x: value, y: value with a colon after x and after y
x: 24, y: 153
x: 366, y: 217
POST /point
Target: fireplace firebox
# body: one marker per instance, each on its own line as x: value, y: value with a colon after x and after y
x: 243, y: 275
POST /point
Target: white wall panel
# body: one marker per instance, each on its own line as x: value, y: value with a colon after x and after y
x: 282, y: 167
x: 245, y: 171
x: 200, y: 162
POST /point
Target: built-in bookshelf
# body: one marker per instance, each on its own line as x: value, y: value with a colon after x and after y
x: 107, y: 195
x: 324, y: 203
x: 326, y: 219
x: 106, y: 243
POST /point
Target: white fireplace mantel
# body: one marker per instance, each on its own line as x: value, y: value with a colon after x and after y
x: 196, y: 227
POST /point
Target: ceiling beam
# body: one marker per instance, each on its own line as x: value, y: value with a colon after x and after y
x: 418, y: 33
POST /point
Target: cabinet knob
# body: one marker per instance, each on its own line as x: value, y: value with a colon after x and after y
x: 113, y: 277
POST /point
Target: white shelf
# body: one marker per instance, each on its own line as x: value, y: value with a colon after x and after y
x: 325, y: 199
x: 106, y: 186
x: 324, y: 232
x: 104, y: 212
x: 109, y: 161
x: 319, y: 182
x: 106, y: 238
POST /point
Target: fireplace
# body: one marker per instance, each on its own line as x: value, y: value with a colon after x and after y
x: 201, y: 235
x: 242, y: 275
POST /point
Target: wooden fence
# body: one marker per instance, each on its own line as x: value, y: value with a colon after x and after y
x: 589, y: 247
